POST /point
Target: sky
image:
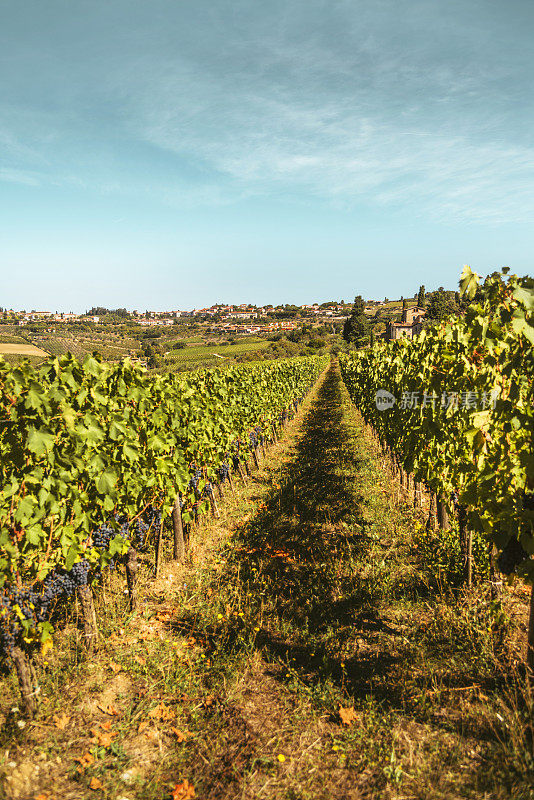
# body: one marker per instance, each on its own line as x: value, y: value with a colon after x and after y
x: 176, y: 153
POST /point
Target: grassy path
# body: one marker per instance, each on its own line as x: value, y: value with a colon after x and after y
x: 300, y: 654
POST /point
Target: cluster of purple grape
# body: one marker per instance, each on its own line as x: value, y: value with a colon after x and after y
x: 138, y: 535
x: 15, y: 603
x: 193, y: 483
x: 135, y: 532
x: 255, y: 437
x: 60, y: 585
x: 35, y: 606
x: 153, y: 517
x: 19, y: 604
x: 102, y: 536
x: 223, y: 472
x: 207, y: 490
x: 8, y: 626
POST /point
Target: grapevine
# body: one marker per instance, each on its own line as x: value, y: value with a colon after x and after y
x: 462, y: 418
x: 94, y: 456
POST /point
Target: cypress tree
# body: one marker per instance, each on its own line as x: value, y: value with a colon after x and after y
x: 421, y: 298
x: 356, y: 326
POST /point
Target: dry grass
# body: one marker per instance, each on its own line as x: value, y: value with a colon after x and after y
x: 307, y: 595
x: 21, y: 349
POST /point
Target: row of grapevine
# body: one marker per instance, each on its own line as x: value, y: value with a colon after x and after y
x: 454, y: 408
x: 93, y: 456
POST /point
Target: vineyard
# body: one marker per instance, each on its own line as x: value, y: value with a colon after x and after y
x: 461, y: 424
x: 202, y: 356
x: 289, y: 579
x: 94, y: 458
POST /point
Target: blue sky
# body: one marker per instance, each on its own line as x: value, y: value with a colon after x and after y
x: 175, y: 153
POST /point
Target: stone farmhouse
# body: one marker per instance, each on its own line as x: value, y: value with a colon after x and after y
x: 410, y: 326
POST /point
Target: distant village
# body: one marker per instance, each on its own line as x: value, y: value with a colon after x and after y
x: 242, y: 318
x: 235, y: 319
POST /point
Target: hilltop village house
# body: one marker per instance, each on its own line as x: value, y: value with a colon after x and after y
x: 410, y: 326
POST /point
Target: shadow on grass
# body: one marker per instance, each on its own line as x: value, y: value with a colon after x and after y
x: 298, y: 563
x: 311, y: 572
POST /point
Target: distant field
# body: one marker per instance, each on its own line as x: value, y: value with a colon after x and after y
x: 9, y: 338
x: 212, y: 356
x: 398, y: 303
x: 21, y: 349
x: 111, y: 347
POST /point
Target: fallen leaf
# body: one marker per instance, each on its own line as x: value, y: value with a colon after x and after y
x: 61, y: 721
x: 181, y: 736
x: 152, y: 735
x: 103, y: 739
x: 162, y: 712
x: 183, y: 791
x: 106, y: 726
x: 114, y: 666
x: 95, y: 784
x: 86, y: 760
x: 142, y: 726
x: 44, y: 796
x: 347, y: 715
x: 165, y: 616
x: 209, y: 700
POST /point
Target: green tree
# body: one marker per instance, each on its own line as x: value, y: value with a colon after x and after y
x: 441, y: 304
x: 356, y: 326
x: 421, y: 297
x: 358, y: 305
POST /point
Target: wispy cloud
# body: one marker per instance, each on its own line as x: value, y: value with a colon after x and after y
x: 338, y: 152
x: 19, y: 176
x: 396, y: 104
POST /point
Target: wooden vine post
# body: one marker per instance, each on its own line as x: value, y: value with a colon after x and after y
x: 178, y: 550
x: 90, y: 628
x: 131, y: 577
x: 213, y: 503
x: 158, y: 549
x: 417, y: 495
x: 231, y: 482
x: 432, y: 512
x: 29, y: 689
x: 495, y: 578
x: 530, y: 646
x: 442, y: 514
x: 242, y: 472
x: 466, y: 544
